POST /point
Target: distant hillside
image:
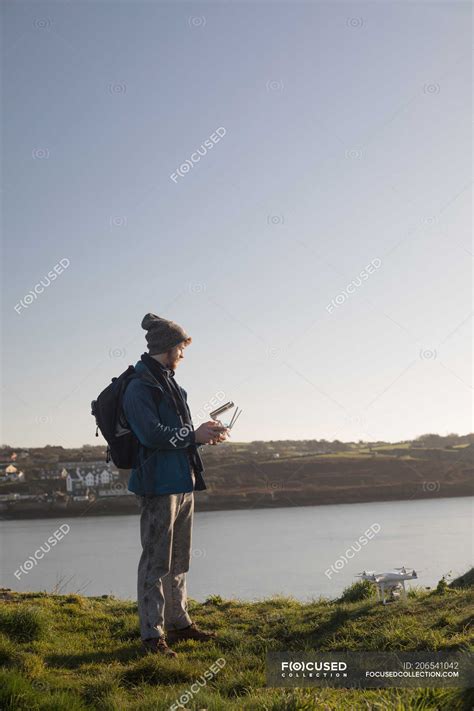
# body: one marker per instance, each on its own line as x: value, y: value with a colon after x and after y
x: 379, y: 474
x: 273, y: 474
x: 237, y: 451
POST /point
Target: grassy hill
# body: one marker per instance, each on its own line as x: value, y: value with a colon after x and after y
x: 72, y: 653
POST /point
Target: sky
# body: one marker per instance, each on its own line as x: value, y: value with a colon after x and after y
x: 344, y: 147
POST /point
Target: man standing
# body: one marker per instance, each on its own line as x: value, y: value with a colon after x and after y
x: 168, y: 470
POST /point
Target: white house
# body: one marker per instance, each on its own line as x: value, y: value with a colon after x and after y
x: 53, y: 473
x: 106, y: 476
x: 115, y: 492
x: 11, y: 473
x: 96, y: 478
x: 92, y: 474
x: 90, y: 479
x: 75, y: 482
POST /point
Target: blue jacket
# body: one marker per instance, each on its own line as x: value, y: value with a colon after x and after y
x: 163, y: 465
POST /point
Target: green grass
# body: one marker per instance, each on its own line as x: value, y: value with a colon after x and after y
x: 73, y: 653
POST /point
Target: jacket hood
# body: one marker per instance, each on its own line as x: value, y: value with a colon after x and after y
x: 146, y: 376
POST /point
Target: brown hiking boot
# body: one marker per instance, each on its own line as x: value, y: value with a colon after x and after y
x: 191, y: 632
x: 157, y: 645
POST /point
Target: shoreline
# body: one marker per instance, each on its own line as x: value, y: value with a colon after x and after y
x: 130, y: 505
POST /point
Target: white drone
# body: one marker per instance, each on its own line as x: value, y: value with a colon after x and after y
x: 392, y: 582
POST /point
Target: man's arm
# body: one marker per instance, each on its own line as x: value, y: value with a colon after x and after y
x: 141, y: 414
x: 185, y: 395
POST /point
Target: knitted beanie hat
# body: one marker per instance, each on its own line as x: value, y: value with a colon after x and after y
x: 163, y: 335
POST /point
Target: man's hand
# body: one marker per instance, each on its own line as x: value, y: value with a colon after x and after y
x: 210, y: 433
x: 222, y: 436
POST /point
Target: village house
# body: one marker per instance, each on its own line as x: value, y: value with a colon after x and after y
x: 99, y: 477
x: 81, y: 476
x: 11, y: 473
x: 75, y: 483
x: 53, y: 473
x: 115, y: 491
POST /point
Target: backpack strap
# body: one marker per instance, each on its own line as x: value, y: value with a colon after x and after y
x: 147, y: 378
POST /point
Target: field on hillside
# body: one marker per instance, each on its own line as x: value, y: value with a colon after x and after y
x: 73, y: 653
x: 345, y: 477
x: 273, y: 474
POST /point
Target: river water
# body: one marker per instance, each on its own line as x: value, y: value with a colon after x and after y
x: 250, y: 554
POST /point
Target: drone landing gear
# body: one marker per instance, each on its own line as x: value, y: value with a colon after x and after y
x: 396, y: 591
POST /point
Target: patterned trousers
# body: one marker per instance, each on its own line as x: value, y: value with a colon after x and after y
x: 166, y: 531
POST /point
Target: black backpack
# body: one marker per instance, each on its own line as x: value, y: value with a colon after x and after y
x: 110, y: 420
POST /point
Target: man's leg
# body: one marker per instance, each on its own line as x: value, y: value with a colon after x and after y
x: 174, y: 584
x: 156, y: 531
